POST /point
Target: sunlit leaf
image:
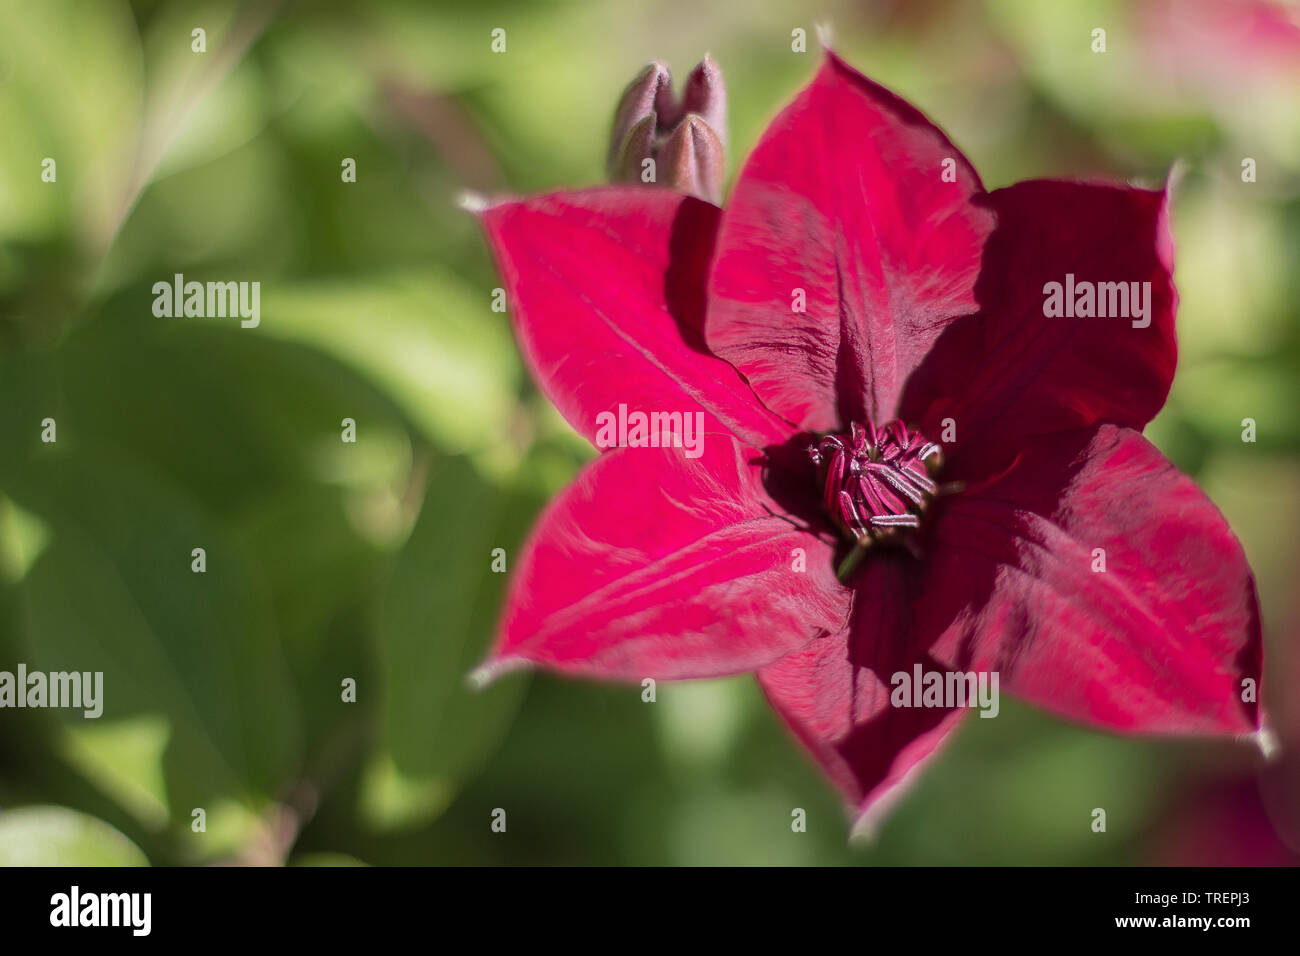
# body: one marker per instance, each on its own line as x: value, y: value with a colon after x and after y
x: 429, y: 341
x: 437, y: 616
x: 115, y: 593
x: 57, y: 836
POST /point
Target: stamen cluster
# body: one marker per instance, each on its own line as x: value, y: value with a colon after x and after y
x: 877, y: 481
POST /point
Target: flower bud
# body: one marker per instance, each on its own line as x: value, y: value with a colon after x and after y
x: 685, y: 139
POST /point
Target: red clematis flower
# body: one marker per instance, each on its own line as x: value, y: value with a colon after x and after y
x: 904, y: 461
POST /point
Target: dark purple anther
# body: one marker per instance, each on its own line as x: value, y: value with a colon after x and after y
x: 877, y: 481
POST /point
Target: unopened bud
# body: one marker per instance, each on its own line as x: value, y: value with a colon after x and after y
x: 686, y: 139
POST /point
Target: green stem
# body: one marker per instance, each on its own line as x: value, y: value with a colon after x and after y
x: 851, y: 562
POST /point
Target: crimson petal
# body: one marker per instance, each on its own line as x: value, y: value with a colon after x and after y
x: 1011, y: 372
x: 834, y: 694
x: 607, y: 290
x: 844, y: 198
x: 1160, y: 641
x: 655, y: 565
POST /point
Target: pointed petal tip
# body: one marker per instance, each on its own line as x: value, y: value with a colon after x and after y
x: 825, y: 36
x: 705, y: 94
x: 1174, y: 178
x: 477, y: 204
x: 870, y: 816
x: 1167, y: 187
x: 707, y: 70
x: 864, y: 833
x: 487, y: 672
x: 645, y: 85
x: 868, y: 820
x: 472, y: 202
x: 1266, y: 739
x: 649, y: 92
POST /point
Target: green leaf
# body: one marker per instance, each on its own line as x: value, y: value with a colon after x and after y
x: 225, y: 414
x: 114, y: 593
x: 125, y: 759
x: 57, y: 836
x: 427, y: 340
x: 436, y: 621
x: 49, y: 109
x: 324, y: 580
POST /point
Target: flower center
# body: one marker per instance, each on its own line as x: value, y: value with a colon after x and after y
x: 877, y: 482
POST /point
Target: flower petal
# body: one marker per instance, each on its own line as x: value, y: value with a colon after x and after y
x: 835, y: 695
x: 844, y: 201
x: 656, y: 565
x: 1012, y: 372
x: 606, y: 288
x: 1160, y: 641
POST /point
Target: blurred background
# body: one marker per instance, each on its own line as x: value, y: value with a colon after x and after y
x: 370, y: 561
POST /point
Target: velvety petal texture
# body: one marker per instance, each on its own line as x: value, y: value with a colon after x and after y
x: 1102, y: 585
x: 606, y: 287
x: 856, y: 210
x: 834, y: 695
x: 859, y: 274
x: 653, y: 564
x: 1012, y: 372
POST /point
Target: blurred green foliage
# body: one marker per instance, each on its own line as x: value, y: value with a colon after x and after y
x: 370, y: 561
